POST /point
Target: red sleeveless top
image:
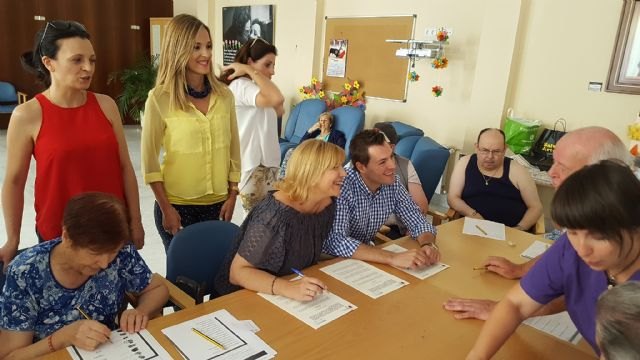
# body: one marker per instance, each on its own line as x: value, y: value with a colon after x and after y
x: 76, y: 151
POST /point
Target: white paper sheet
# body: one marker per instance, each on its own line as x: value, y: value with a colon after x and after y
x: 558, y: 325
x: 365, y: 278
x: 484, y: 228
x: 238, y: 343
x: 535, y: 249
x: 420, y: 273
x: 316, y: 313
x: 140, y: 346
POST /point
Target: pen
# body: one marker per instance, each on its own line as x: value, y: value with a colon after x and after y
x: 84, y: 314
x: 481, y: 229
x: 297, y: 272
x: 204, y: 336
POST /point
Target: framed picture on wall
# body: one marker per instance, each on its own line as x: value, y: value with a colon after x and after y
x: 243, y: 23
x: 624, y: 73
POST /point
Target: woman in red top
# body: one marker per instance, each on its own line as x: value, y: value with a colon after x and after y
x: 75, y: 136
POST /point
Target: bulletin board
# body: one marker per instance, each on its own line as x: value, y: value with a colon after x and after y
x: 370, y: 59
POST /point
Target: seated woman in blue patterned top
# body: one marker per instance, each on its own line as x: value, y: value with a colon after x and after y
x: 68, y: 291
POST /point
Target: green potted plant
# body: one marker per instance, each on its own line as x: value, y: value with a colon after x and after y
x: 136, y: 83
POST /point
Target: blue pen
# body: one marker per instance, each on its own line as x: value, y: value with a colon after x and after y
x: 297, y: 272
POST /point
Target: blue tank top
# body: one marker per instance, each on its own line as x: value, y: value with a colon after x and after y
x: 496, y: 199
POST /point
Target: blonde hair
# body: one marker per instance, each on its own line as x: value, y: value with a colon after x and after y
x: 306, y: 166
x: 177, y: 46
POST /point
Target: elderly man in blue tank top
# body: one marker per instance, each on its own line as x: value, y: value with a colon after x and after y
x: 488, y: 185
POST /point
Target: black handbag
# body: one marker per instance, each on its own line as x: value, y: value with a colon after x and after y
x: 541, y: 154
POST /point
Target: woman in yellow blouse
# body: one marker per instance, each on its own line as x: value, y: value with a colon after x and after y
x: 191, y: 116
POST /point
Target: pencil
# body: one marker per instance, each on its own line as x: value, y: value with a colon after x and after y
x: 481, y: 229
x: 84, y: 314
x: 480, y: 268
x: 209, y: 339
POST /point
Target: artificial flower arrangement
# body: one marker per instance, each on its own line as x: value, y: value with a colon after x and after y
x: 633, y: 131
x: 349, y: 95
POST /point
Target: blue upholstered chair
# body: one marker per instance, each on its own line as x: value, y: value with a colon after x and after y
x: 10, y: 98
x: 195, y: 255
x: 349, y: 120
x: 428, y: 157
x: 302, y: 117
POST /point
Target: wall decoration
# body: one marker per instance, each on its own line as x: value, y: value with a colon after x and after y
x: 243, y: 23
x: 337, y: 62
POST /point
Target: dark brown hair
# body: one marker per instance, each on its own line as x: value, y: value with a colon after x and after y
x: 603, y: 198
x: 254, y: 49
x: 96, y: 221
x: 46, y: 44
x: 360, y: 144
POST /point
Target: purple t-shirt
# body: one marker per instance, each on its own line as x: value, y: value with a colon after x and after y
x: 561, y: 271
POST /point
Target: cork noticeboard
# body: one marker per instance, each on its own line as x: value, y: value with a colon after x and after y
x: 370, y: 59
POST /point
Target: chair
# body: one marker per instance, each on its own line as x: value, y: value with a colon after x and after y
x: 10, y: 98
x: 195, y: 255
x: 428, y: 157
x: 302, y: 117
x: 349, y: 120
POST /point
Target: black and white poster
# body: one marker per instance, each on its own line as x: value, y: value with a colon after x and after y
x: 243, y: 23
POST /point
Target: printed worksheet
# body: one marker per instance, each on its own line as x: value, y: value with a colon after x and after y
x: 365, y: 278
x: 420, y: 273
x: 484, y: 228
x: 141, y: 346
x: 535, y: 249
x: 216, y: 336
x: 558, y: 325
x: 325, y: 308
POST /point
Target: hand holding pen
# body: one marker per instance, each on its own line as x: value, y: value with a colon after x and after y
x: 85, y: 334
x: 304, y: 288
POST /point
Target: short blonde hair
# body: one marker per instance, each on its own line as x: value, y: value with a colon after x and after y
x: 306, y: 166
x: 177, y: 46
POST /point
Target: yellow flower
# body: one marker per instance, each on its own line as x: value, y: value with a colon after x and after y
x: 347, y: 86
x: 314, y: 80
x: 321, y: 94
x: 301, y: 90
x: 356, y: 84
x: 343, y: 99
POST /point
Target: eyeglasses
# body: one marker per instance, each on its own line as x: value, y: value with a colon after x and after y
x: 256, y: 39
x: 486, y: 152
x: 62, y: 25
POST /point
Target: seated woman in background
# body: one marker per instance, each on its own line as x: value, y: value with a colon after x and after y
x: 618, y: 322
x: 323, y: 130
x: 68, y: 291
x: 288, y: 227
x: 599, y: 206
x: 488, y: 185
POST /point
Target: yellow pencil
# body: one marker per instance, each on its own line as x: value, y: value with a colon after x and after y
x: 481, y: 229
x: 84, y: 314
x: 204, y: 336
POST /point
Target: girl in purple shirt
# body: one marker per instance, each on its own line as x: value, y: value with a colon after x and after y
x: 600, y: 208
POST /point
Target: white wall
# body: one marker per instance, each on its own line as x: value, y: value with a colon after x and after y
x: 535, y: 56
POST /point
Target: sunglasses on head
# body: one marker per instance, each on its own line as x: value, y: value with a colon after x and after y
x: 59, y: 25
x: 256, y: 39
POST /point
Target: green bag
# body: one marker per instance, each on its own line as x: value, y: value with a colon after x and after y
x: 520, y: 134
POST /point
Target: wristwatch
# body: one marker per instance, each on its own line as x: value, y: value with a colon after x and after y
x: 431, y: 245
x: 234, y: 188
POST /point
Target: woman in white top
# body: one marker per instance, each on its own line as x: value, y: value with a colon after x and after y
x: 259, y: 103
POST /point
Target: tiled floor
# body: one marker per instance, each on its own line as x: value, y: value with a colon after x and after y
x: 153, y: 251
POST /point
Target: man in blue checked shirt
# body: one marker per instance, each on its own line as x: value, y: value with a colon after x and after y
x: 370, y: 193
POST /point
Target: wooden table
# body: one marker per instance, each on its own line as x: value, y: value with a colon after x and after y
x: 408, y: 323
